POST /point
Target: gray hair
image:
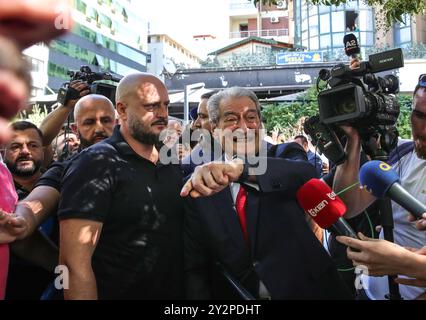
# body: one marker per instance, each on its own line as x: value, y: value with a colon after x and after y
x: 213, y: 105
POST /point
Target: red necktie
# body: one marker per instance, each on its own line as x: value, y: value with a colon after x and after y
x: 240, y: 205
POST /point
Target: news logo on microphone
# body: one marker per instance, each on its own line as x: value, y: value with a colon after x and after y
x: 317, y: 209
x: 382, y: 181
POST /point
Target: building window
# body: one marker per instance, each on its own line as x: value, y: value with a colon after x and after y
x: 338, y: 40
x: 262, y: 49
x: 106, y: 21
x: 84, y: 32
x: 365, y: 39
x: 93, y: 14
x: 338, y: 19
x: 314, y: 43
x: 36, y: 64
x: 125, y: 16
x: 325, y: 41
x: 351, y: 19
x: 57, y: 71
x: 243, y: 28
x: 80, y: 6
x: 325, y: 23
x: 313, y: 26
x: 366, y: 20
x: 304, y: 25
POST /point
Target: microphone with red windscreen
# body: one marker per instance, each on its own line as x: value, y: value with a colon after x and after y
x: 325, y: 207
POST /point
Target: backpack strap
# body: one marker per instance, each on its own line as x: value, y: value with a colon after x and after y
x: 400, y: 151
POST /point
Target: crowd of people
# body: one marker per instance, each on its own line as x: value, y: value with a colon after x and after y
x: 131, y: 208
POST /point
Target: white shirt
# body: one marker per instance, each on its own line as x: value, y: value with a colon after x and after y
x: 412, y: 171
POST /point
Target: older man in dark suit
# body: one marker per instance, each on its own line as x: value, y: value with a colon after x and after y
x: 250, y: 223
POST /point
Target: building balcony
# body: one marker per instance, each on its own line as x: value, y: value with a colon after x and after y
x: 270, y: 33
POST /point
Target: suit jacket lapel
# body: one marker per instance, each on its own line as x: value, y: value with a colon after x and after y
x: 252, y: 215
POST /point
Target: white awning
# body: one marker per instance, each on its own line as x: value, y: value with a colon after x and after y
x: 194, y: 96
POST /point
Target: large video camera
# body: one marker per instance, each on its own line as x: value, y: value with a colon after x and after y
x: 361, y: 99
x: 93, y: 79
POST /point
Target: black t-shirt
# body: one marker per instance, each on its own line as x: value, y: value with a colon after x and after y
x: 53, y: 176
x: 140, y: 250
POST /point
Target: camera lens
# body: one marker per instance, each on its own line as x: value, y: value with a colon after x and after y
x: 389, y: 83
x: 347, y: 106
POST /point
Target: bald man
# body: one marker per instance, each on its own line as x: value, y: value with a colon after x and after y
x: 22, y: 23
x: 120, y: 214
x: 95, y: 120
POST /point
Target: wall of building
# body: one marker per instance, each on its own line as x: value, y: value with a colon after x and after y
x: 99, y: 53
x: 419, y: 34
x: 251, y: 20
x: 282, y: 23
x: 38, y: 56
x: 108, y: 36
x: 162, y: 48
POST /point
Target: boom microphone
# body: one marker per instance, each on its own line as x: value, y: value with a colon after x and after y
x: 325, y: 207
x: 378, y: 178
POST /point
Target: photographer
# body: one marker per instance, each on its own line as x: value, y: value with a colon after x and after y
x: 412, y: 170
x: 53, y: 123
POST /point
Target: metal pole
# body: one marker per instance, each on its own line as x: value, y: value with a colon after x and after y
x: 186, y: 106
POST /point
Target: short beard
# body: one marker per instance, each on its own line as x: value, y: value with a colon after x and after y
x: 13, y: 168
x: 140, y: 132
x: 420, y: 150
x: 84, y: 143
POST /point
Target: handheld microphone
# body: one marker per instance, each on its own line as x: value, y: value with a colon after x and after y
x: 351, y: 45
x: 325, y: 207
x: 381, y: 180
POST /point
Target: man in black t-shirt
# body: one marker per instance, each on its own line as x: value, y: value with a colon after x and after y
x: 24, y: 157
x: 94, y: 116
x: 120, y: 213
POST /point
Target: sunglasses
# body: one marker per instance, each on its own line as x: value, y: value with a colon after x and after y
x: 422, y: 80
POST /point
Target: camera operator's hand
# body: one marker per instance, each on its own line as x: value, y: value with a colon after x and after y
x: 80, y: 88
x: 420, y: 224
x: 354, y: 64
x: 351, y: 133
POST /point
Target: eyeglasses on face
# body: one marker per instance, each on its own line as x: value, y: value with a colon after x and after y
x: 422, y: 80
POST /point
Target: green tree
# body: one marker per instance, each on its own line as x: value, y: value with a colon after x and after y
x: 36, y: 115
x: 393, y: 10
x: 287, y: 118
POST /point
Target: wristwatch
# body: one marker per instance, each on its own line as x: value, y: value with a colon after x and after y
x: 67, y: 93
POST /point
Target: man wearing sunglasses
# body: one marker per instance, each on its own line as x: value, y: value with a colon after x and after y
x: 409, y: 161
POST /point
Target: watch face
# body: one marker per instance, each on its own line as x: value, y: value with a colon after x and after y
x: 62, y: 93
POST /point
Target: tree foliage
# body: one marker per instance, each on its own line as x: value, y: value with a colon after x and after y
x: 393, y: 10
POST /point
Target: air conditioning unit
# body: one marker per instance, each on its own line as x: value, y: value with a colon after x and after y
x: 282, y: 4
x: 275, y: 19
